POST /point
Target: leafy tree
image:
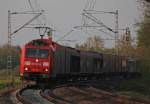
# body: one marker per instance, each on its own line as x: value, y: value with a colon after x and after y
x: 144, y: 33
x: 148, y: 1
x: 143, y: 48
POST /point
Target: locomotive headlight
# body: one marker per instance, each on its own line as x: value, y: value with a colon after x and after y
x: 45, y: 64
x: 46, y: 70
x: 27, y: 62
x: 26, y: 69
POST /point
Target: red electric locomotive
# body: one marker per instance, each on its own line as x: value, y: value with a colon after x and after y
x: 37, y: 60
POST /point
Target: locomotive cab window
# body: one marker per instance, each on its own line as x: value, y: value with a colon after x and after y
x: 37, y: 53
x: 39, y: 43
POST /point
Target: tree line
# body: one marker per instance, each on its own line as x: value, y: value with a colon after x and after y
x: 14, y: 51
x: 144, y: 35
x: 96, y: 44
x: 144, y: 32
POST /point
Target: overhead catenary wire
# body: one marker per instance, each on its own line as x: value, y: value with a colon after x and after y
x: 90, y: 4
x: 31, y: 6
x: 87, y: 4
x: 37, y: 5
x: 26, y: 24
x: 93, y: 4
x: 101, y: 30
x: 38, y: 20
x: 94, y: 19
x: 106, y: 33
x: 68, y: 33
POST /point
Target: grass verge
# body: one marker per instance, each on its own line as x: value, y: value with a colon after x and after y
x: 6, y: 79
x: 135, y: 88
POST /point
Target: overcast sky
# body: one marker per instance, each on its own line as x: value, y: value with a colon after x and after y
x: 63, y: 15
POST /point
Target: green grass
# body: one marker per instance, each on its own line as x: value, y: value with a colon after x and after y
x: 141, y: 85
x: 136, y: 88
x: 6, y: 78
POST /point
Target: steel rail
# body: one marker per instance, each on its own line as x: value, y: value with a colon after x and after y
x: 21, y: 98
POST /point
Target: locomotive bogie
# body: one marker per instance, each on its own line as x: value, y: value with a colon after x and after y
x: 35, y: 76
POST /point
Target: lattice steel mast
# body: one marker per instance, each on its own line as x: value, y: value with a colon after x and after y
x: 88, y: 15
x: 10, y: 33
x: 9, y: 57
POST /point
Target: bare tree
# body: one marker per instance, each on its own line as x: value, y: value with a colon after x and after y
x: 92, y: 44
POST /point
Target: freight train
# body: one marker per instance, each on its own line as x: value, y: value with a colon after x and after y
x: 43, y: 60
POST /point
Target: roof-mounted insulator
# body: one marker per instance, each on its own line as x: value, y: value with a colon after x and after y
x: 49, y: 33
x: 42, y: 36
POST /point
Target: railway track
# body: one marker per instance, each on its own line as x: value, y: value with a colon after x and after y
x: 31, y: 95
x: 74, y: 93
x: 87, y: 94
